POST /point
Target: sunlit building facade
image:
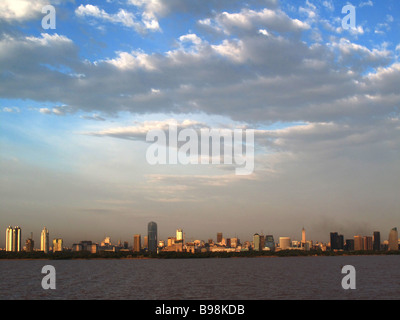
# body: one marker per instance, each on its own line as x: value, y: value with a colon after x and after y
x: 393, y: 240
x: 44, y: 240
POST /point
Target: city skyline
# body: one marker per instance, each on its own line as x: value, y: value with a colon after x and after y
x: 78, y: 101
x: 219, y: 237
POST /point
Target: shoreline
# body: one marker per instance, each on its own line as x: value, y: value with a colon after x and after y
x: 186, y: 256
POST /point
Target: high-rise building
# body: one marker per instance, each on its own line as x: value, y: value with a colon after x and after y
x: 270, y: 242
x: 256, y: 242
x: 44, y: 240
x: 145, y: 242
x: 393, y: 240
x: 152, y: 237
x: 137, y: 243
x: 358, y: 243
x: 285, y: 243
x: 349, y: 245
x: 368, y: 243
x: 219, y: 237
x: 16, y: 244
x: 303, y: 237
x: 262, y: 242
x: 9, y: 239
x: 57, y: 245
x: 29, y: 245
x: 179, y: 235
x: 337, y: 241
x: 377, y: 241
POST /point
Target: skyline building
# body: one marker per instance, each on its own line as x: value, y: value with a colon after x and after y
x: 377, y: 241
x: 44, y: 240
x: 16, y: 239
x: 368, y: 243
x: 337, y: 241
x: 358, y: 243
x: 219, y: 237
x: 393, y: 240
x: 303, y: 237
x: 285, y: 243
x: 270, y: 242
x: 152, y: 237
x: 57, y: 245
x: 137, y: 243
x: 179, y: 235
x: 9, y: 239
x: 257, y: 242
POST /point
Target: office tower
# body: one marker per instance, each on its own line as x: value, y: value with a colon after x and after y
x: 270, y: 242
x: 219, y: 237
x: 334, y: 240
x: 228, y: 242
x: 337, y: 241
x: 57, y: 245
x: 285, y: 243
x: 349, y: 245
x: 152, y: 237
x: 44, y: 240
x: 358, y: 243
x: 29, y: 245
x: 16, y: 243
x: 367, y: 243
x: 256, y: 242
x: 137, y: 243
x: 393, y: 240
x: 303, y: 237
x: 234, y: 242
x: 377, y: 241
x: 262, y: 242
x: 9, y: 239
x: 146, y: 242
x: 179, y: 235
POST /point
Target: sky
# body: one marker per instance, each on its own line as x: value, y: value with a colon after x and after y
x: 77, y: 101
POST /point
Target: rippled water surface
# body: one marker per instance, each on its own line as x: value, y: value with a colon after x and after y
x: 378, y: 277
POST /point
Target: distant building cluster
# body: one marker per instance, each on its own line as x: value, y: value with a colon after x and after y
x: 151, y: 243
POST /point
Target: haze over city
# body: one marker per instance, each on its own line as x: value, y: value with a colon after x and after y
x: 77, y: 101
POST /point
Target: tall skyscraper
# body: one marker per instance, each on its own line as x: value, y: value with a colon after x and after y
x: 16, y: 243
x: 44, y: 240
x: 219, y: 237
x: 256, y: 242
x: 9, y: 239
x: 179, y: 235
x: 137, y: 243
x: 368, y: 243
x: 303, y: 237
x: 57, y: 245
x: 358, y: 243
x: 393, y: 240
x: 152, y: 237
x: 270, y: 242
x: 377, y: 241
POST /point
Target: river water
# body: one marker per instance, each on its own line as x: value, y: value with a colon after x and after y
x: 310, y: 278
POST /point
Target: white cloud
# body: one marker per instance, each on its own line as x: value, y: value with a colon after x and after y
x: 122, y: 17
x: 21, y: 10
x: 11, y: 109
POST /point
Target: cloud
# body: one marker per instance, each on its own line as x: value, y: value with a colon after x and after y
x: 122, y: 17
x: 11, y: 109
x: 21, y: 10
